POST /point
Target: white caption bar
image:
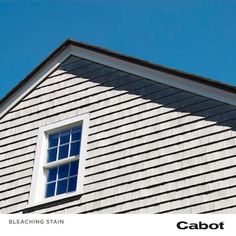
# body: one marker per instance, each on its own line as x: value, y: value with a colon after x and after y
x: 118, y: 225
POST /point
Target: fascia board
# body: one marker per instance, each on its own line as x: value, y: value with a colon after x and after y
x: 162, y: 77
x: 135, y: 69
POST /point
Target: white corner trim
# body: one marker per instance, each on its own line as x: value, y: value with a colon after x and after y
x: 39, y: 179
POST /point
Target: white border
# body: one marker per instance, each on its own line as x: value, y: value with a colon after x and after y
x: 38, y: 178
x: 115, y: 224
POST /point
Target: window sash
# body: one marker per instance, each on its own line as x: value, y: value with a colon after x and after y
x: 60, y: 162
x: 58, y: 178
x: 69, y: 143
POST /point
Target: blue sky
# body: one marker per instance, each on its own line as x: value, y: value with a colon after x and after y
x: 190, y: 35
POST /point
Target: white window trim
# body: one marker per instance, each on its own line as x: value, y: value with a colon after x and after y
x: 39, y: 178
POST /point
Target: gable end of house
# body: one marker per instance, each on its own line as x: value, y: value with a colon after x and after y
x: 172, y: 77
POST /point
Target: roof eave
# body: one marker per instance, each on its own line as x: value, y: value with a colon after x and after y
x: 146, y: 64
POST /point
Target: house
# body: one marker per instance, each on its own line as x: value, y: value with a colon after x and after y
x: 94, y: 131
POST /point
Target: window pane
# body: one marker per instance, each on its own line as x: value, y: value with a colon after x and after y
x: 75, y: 148
x: 52, y: 174
x: 72, y: 184
x: 52, y: 154
x: 63, y: 151
x: 65, y: 137
x: 50, y: 189
x: 63, y: 171
x: 53, y: 140
x: 76, y: 133
x: 74, y: 168
x: 61, y: 186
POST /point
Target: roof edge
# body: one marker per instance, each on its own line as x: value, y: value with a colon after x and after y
x: 193, y: 77
x: 35, y: 70
x: 147, y: 64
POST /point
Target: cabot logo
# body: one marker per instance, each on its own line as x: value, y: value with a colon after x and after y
x: 200, y: 225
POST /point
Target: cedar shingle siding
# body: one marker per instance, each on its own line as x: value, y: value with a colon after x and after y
x: 152, y: 148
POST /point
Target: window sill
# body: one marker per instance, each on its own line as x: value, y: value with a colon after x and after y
x: 54, y: 199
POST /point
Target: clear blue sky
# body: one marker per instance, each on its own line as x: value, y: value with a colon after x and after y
x: 190, y: 35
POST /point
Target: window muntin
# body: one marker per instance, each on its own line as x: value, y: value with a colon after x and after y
x: 62, y: 179
x: 64, y: 144
x: 62, y: 175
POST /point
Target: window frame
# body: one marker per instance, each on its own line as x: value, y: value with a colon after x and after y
x: 37, y: 191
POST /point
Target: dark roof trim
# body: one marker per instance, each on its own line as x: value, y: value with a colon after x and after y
x: 147, y: 64
x: 158, y: 67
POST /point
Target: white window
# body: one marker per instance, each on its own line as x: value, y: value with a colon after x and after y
x: 60, y: 160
